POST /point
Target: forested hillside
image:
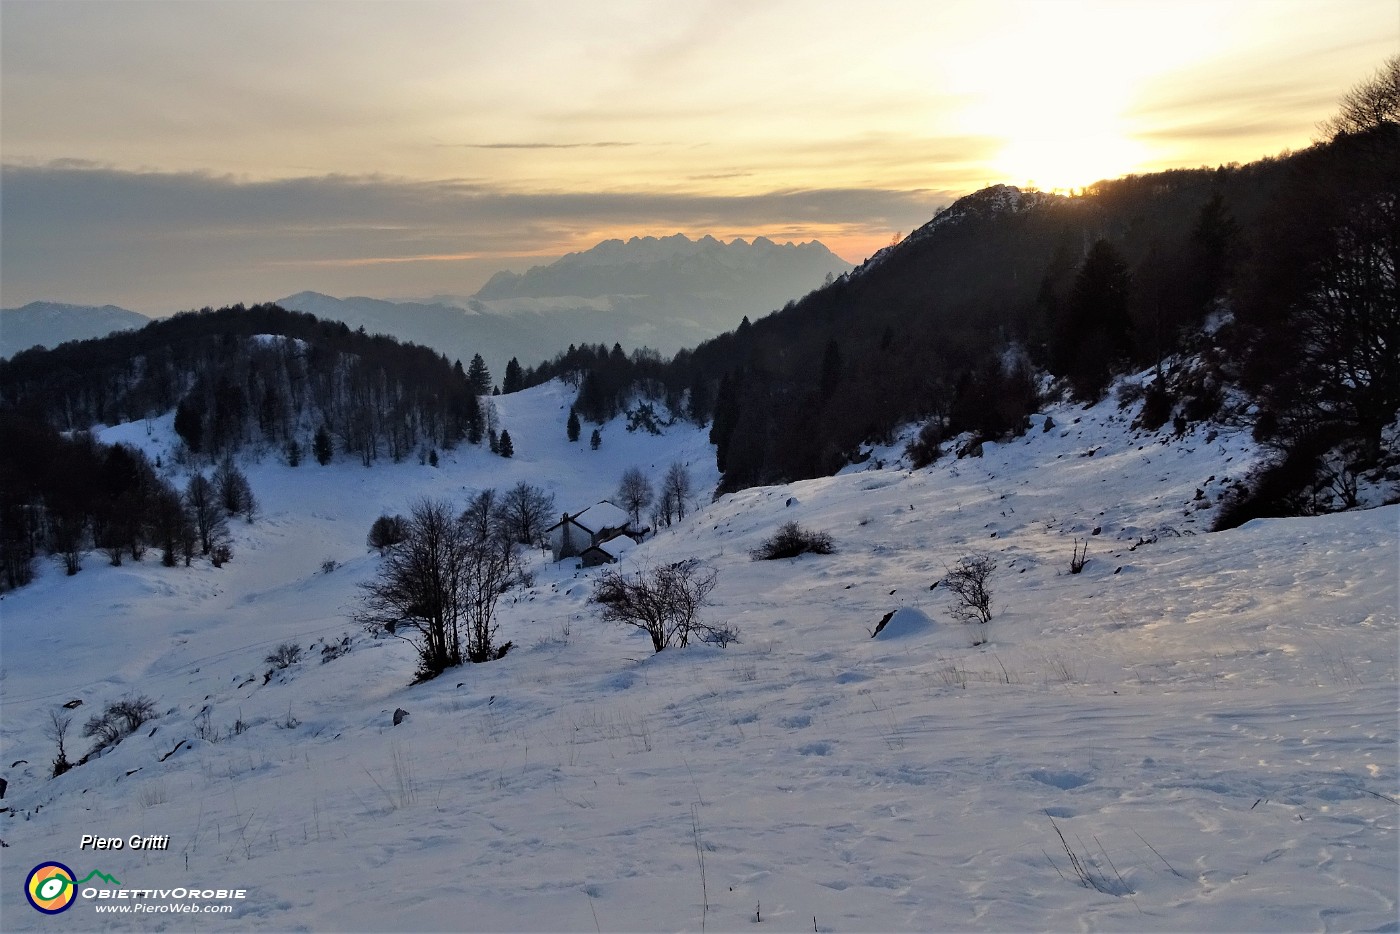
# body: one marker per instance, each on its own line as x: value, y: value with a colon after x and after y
x: 251, y: 375
x: 1274, y: 281
x: 277, y: 382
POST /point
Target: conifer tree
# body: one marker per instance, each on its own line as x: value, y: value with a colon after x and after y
x: 321, y: 446
x: 1093, y: 333
x: 574, y: 427
x: 507, y: 449
x: 479, y: 376
x: 515, y: 378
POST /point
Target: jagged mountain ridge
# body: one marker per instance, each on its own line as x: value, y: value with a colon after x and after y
x: 658, y: 266
x: 664, y: 293
x: 48, y: 324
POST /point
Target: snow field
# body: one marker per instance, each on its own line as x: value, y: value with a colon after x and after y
x: 1208, y: 720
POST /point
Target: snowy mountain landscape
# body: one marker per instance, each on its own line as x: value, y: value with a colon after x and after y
x: 664, y: 293
x: 1039, y: 570
x: 1195, y: 732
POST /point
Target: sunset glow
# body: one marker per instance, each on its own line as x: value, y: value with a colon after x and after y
x: 174, y: 155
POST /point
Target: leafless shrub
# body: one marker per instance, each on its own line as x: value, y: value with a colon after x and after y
x: 924, y: 449
x: 1080, y: 557
x: 57, y: 730
x: 205, y: 729
x: 664, y: 602
x: 387, y: 531
x: 153, y: 793
x: 333, y: 650
x: 967, y: 580
x: 284, y: 655
x: 119, y: 720
x: 792, y: 540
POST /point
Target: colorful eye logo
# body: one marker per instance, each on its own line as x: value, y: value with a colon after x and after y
x: 50, y: 888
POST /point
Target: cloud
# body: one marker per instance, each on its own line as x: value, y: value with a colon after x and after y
x: 605, y: 144
x: 159, y: 241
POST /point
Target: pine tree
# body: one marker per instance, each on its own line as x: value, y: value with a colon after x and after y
x: 189, y: 423
x: 321, y: 447
x: 476, y: 424
x: 698, y: 407
x: 479, y: 377
x: 574, y: 427
x: 726, y: 415
x: 1213, y: 252
x: 515, y: 378
x: 507, y: 449
x: 1093, y: 334
x: 596, y: 441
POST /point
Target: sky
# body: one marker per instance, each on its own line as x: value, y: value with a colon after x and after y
x: 171, y: 155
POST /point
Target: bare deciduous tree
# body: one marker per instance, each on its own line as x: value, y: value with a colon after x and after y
x: 634, y: 493
x: 491, y: 567
x: 1371, y: 103
x: 234, y: 491
x: 675, y: 492
x: 526, y: 511
x: 206, y: 511
x: 418, y: 596
x: 438, y: 588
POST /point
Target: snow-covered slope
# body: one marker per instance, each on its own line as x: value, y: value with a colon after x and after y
x: 48, y: 324
x: 1203, y: 724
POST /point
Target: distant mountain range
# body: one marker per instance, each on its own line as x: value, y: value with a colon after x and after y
x: 664, y: 293
x: 49, y: 324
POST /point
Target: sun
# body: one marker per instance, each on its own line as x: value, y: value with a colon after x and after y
x: 1064, y: 130
x: 1057, y: 100
x: 1066, y: 159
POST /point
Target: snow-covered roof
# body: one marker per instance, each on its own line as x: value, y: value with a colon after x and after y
x: 614, y: 548
x: 604, y: 515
